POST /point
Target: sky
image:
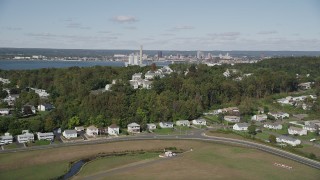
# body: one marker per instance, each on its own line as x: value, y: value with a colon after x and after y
x: 161, y: 24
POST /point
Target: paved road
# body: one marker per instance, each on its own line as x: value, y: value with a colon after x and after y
x: 194, y: 135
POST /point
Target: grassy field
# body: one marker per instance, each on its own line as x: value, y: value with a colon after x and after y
x: 206, y: 161
x: 113, y: 162
x: 209, y: 161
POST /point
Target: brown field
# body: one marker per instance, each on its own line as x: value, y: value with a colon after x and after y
x: 207, y: 161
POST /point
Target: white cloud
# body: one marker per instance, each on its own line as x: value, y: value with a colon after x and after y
x: 167, y: 34
x: 267, y: 32
x: 12, y: 28
x: 77, y: 26
x: 124, y: 19
x: 130, y: 27
x: 181, y: 27
x: 225, y: 34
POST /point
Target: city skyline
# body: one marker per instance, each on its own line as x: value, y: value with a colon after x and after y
x: 161, y: 25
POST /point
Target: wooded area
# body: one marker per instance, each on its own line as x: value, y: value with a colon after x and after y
x: 180, y: 95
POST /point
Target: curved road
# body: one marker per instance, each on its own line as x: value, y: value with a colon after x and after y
x: 199, y: 136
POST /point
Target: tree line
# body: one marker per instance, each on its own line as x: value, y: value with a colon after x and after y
x: 184, y: 94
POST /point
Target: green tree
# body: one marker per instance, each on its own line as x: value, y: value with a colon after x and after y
x: 74, y: 121
x: 272, y: 138
x: 252, y: 129
x: 49, y: 124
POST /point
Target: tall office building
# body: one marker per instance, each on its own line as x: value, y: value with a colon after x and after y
x: 141, y: 54
x: 199, y: 55
x: 159, y: 54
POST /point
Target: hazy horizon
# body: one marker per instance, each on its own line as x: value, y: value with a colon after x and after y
x: 287, y: 25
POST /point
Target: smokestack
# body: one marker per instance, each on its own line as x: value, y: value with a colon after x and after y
x: 140, y: 54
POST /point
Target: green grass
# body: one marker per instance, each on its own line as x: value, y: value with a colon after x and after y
x: 212, y: 119
x: 38, y: 143
x: 106, y: 163
x: 164, y: 131
x: 44, y: 171
x: 262, y: 136
x: 11, y: 146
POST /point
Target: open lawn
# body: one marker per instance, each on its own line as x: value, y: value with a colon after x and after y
x: 209, y: 161
x: 206, y: 161
x: 104, y: 163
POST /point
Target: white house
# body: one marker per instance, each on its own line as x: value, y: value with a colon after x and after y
x: 305, y: 86
x: 259, y: 117
x: 25, y: 137
x: 311, y: 127
x: 92, y: 131
x: 137, y: 76
x: 6, y: 139
x: 108, y: 87
x: 183, y: 123
x: 199, y: 122
x: 151, y: 126
x: 69, y: 133
x: 166, y: 124
x: 150, y: 75
x: 4, y: 111
x: 295, y: 130
x: 5, y: 81
x: 273, y: 125
x: 285, y: 101
x: 146, y: 84
x: 288, y: 140
x: 79, y: 128
x: 279, y: 115
x: 45, y: 107
x: 133, y: 128
x: 233, y: 119
x: 45, y: 136
x: 241, y: 126
x: 113, y: 130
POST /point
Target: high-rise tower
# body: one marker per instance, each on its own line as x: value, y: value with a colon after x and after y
x: 140, y: 54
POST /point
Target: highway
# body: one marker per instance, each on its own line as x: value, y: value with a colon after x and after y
x: 197, y: 136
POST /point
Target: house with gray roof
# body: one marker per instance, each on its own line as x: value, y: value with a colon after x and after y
x: 241, y: 126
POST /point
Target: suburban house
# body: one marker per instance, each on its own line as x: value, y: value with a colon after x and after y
x: 41, y: 92
x: 305, y: 86
x: 310, y: 127
x: 146, y: 84
x: 288, y: 100
x: 150, y: 74
x: 92, y: 131
x: 137, y: 76
x: 25, y: 137
x: 288, y: 140
x: 259, y: 117
x: 79, y: 128
x: 241, y: 126
x: 45, y: 136
x: 273, y: 125
x: 166, y: 124
x: 279, y: 115
x: 151, y: 126
x: 113, y: 130
x: 6, y: 138
x: 133, y: 128
x: 28, y: 109
x: 70, y: 133
x: 233, y: 119
x: 4, y: 111
x: 295, y: 130
x: 183, y: 123
x: 45, y: 107
x: 315, y: 122
x: 199, y: 122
